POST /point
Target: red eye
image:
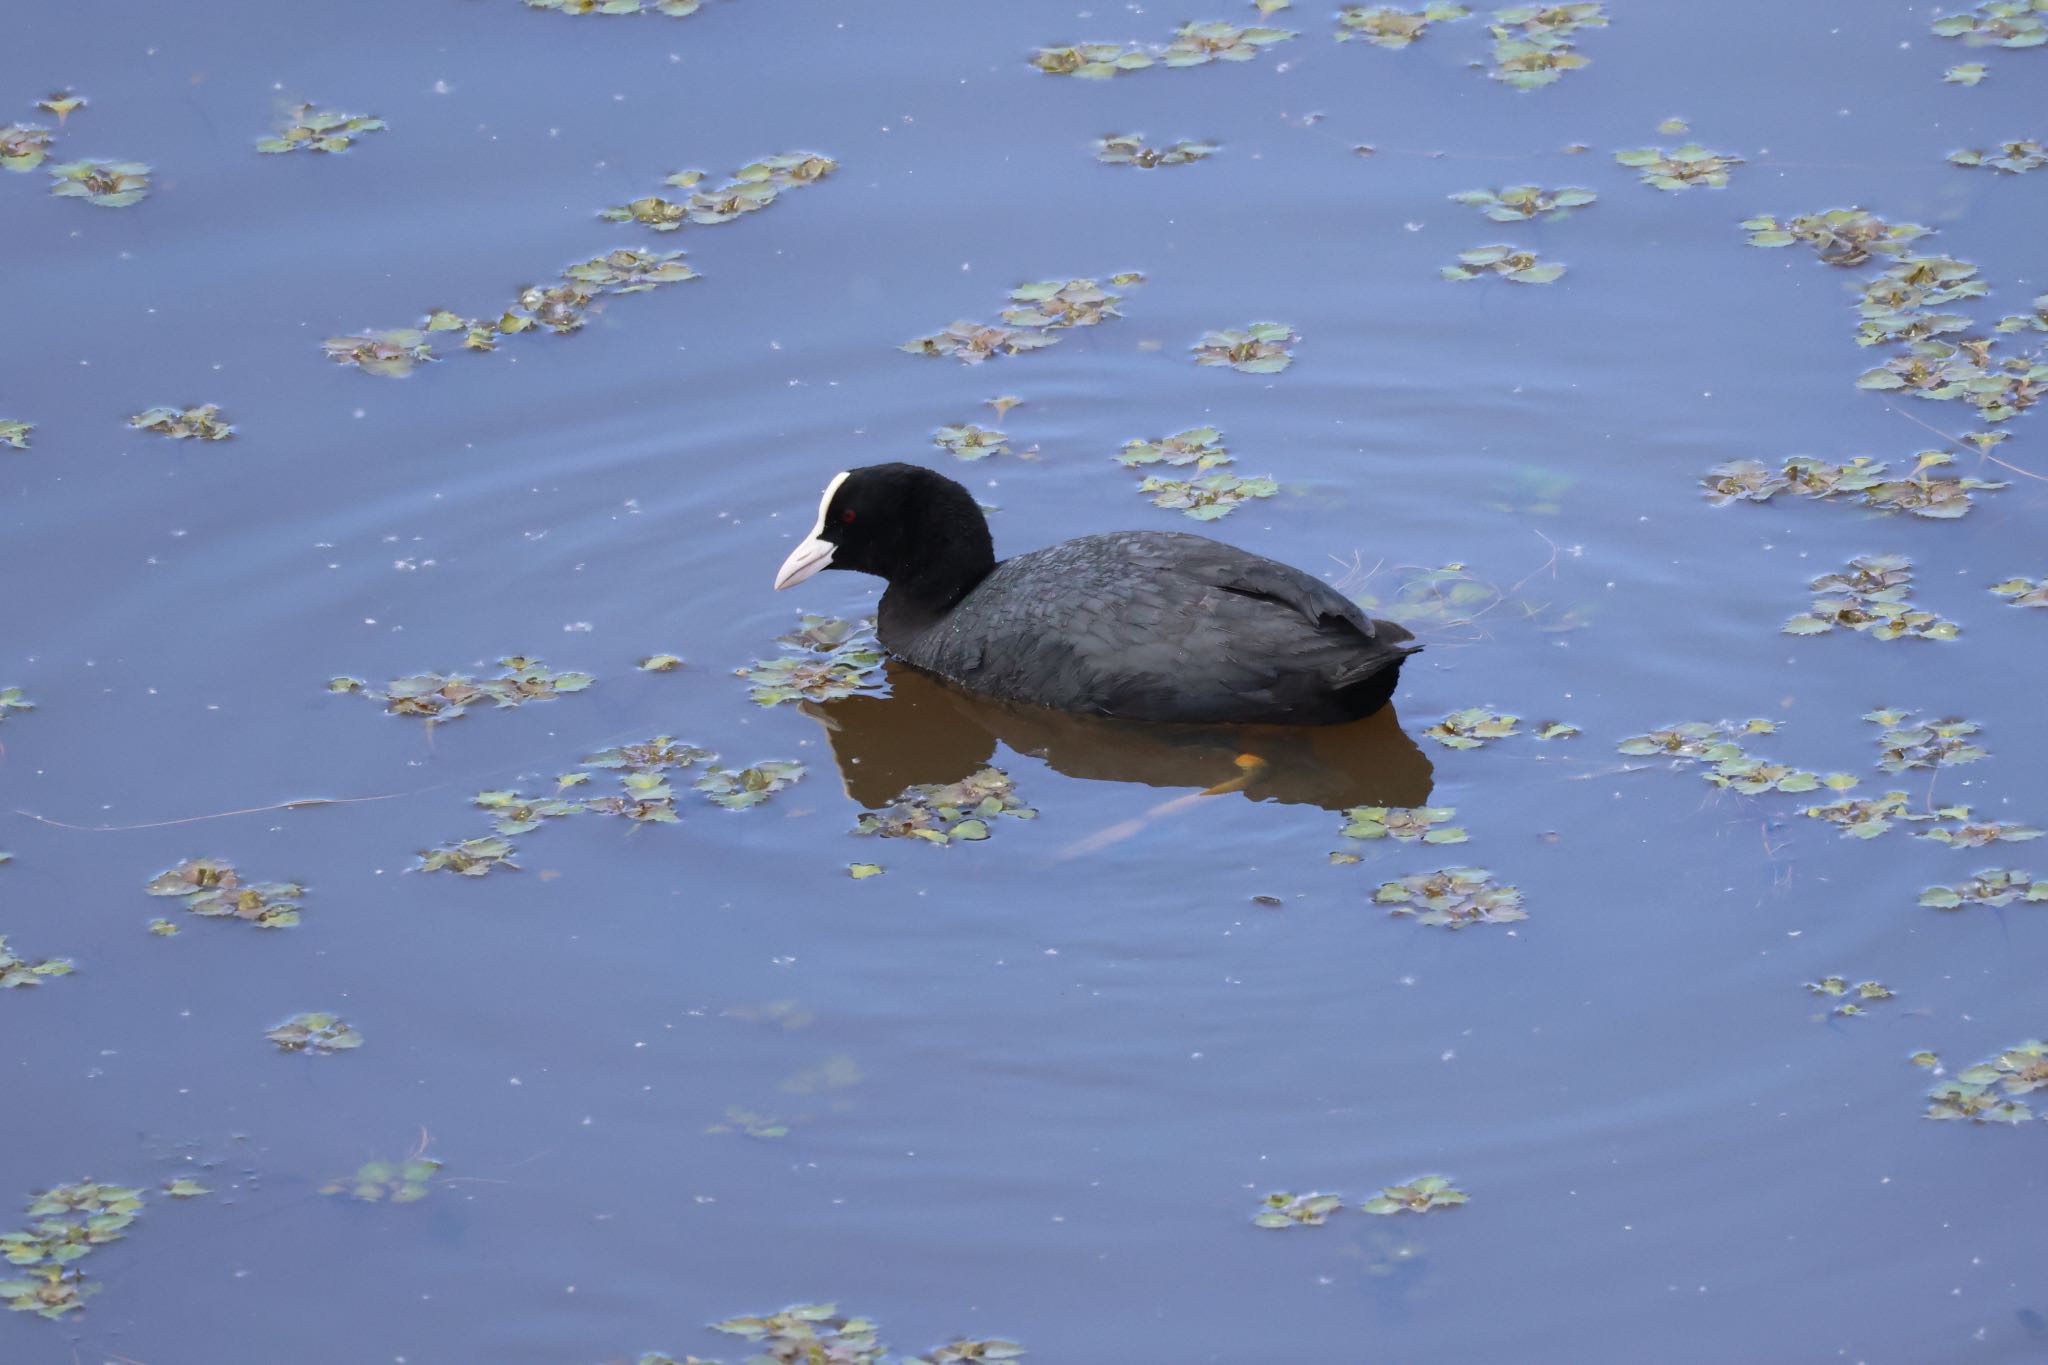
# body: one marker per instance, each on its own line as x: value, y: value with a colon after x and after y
x: 847, y: 515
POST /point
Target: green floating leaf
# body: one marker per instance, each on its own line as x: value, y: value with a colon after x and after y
x: 1389, y: 27
x: 2014, y: 158
x: 1092, y: 61
x: 661, y: 663
x: 2000, y: 23
x: 1201, y: 447
x: 110, y: 184
x: 14, y: 699
x: 392, y: 1182
x: 1198, y: 44
x: 1986, y: 1092
x: 1287, y: 1210
x: 315, y: 1032
x: 1519, y: 203
x: 15, y: 434
x: 862, y: 871
x: 1129, y: 149
x: 2024, y: 592
x: 1683, y: 168
x: 673, y: 9
x: 23, y: 146
x: 970, y: 442
x: 1522, y: 267
x: 945, y: 813
x: 1992, y: 886
x: 389, y: 355
x: 17, y: 971
x: 1931, y: 744
x: 1206, y: 499
x: 516, y: 814
x: 1845, y: 237
x: 438, y: 697
x: 1871, y: 595
x: 1259, y: 349
x: 1969, y: 833
x: 1532, y: 44
x: 202, y: 422
x: 1420, y: 1195
x: 319, y: 130
x: 470, y: 857
x: 739, y: 789
x: 1964, y: 73
x: 1556, y: 729
x: 825, y: 658
x: 1453, y: 897
x: 1405, y: 824
x: 1035, y: 312
x: 1922, y: 494
x: 211, y: 887
x: 1471, y: 727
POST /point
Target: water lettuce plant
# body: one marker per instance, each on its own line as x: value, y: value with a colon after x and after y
x: 23, y: 146
x: 1452, y: 897
x: 1921, y: 493
x: 1532, y: 44
x: 823, y: 659
x: 963, y: 811
x: 1682, y: 168
x: 1035, y: 311
x: 1999, y: 23
x: 1404, y: 824
x: 1287, y: 1210
x: 1989, y: 1091
x: 2014, y: 158
x: 388, y: 1182
x: 439, y: 697
x: 2023, y: 592
x: 741, y: 788
x: 1991, y: 886
x: 181, y: 424
x: 109, y: 184
x: 970, y: 442
x: 213, y: 888
x: 1206, y: 498
x: 1390, y: 27
x: 469, y: 857
x: 17, y: 971
x: 315, y: 1031
x: 1471, y: 727
x: 1260, y: 348
x: 1130, y: 149
x: 1092, y: 61
x: 15, y: 434
x: 13, y: 699
x: 1907, y: 743
x: 1870, y: 595
x: 1844, y: 237
x: 1201, y: 447
x: 319, y: 130
x: 1520, y: 203
x: 1419, y: 1195
x: 67, y: 1224
x: 1509, y: 262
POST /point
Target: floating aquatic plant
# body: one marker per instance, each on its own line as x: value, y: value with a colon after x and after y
x: 470, y: 857
x: 660, y: 663
x: 1405, y: 824
x: 1970, y: 833
x: 184, y: 1187
x: 1844, y: 237
x: 621, y: 272
x: 389, y: 1182
x: 1697, y: 741
x: 15, y: 434
x: 110, y: 184
x: 2014, y: 158
x: 1034, y: 312
x: 673, y: 9
x: 1998, y: 388
x: 750, y: 1123
x: 660, y: 754
x: 645, y: 797
x: 1921, y: 493
x: 1850, y: 1000
x: 1198, y: 44
x: 816, y: 1334
x: 1682, y: 168
x: 862, y: 871
x: 1387, y: 26
x: 943, y: 813
x: 1287, y: 1210
x: 211, y: 887
x: 1206, y: 498
x: 1865, y: 818
x: 516, y: 814
x: 63, y: 104
x: 14, y: 699
x: 1987, y: 1092
x: 23, y: 146
x: 1992, y: 886
x: 1556, y: 729
x: 68, y: 1223
x: 739, y: 788
x: 1870, y: 595
x: 1751, y: 776
x: 1092, y: 61
x: 1532, y: 44
x: 386, y: 354
x: 1520, y: 266
x: 1452, y: 897
x: 1201, y: 447
x: 1129, y: 149
x: 970, y: 442
x: 438, y: 697
x: 1420, y: 1195
x: 1471, y: 727
x: 2000, y: 23
x: 1965, y: 73
x: 315, y: 1032
x: 2023, y: 592
x: 751, y: 188
x: 824, y: 658
x: 179, y: 424
x: 17, y: 971
x: 1519, y: 203
x: 2036, y: 321
x: 319, y: 130
x: 1259, y: 349
x: 1906, y: 743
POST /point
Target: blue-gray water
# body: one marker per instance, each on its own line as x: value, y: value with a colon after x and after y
x: 1078, y: 1072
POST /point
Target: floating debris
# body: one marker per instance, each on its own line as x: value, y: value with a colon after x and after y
x: 941, y: 814
x: 1992, y: 886
x: 1259, y: 349
x: 1870, y: 595
x: 1964, y: 73
x: 1927, y: 744
x: 388, y: 1182
x: 1201, y: 447
x: 15, y: 434
x: 1286, y: 1210
x: 1198, y: 44
x: 319, y: 130
x: 1850, y: 999
x: 1386, y: 26
x: 1471, y: 727
x: 1405, y: 824
x: 23, y: 146
x: 1920, y: 493
x: 1985, y: 1093
x: 1682, y: 168
x: 439, y: 697
x: 2023, y: 592
x: 2014, y: 158
x: 752, y: 187
x: 179, y: 424
x: 825, y: 658
x: 1452, y: 897
x: 315, y: 1032
x: 1129, y: 149
x: 1035, y: 311
x: 211, y: 887
x: 740, y: 788
x: 1520, y: 266
x: 17, y: 971
x: 471, y: 857
x: 69, y: 1223
x: 110, y: 184
x: 1844, y: 237
x: 2001, y: 23
x: 673, y: 9
x: 1092, y: 61
x: 1417, y: 1196
x: 1206, y: 498
x: 1532, y: 44
x: 970, y: 442
x: 1519, y: 203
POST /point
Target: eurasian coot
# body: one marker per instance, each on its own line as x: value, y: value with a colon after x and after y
x: 1146, y: 625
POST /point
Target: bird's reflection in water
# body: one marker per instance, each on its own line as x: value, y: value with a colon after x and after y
x: 927, y: 731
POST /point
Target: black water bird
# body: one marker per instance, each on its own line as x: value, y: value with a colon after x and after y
x: 1143, y: 625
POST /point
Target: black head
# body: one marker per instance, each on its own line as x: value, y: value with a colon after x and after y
x: 919, y: 530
